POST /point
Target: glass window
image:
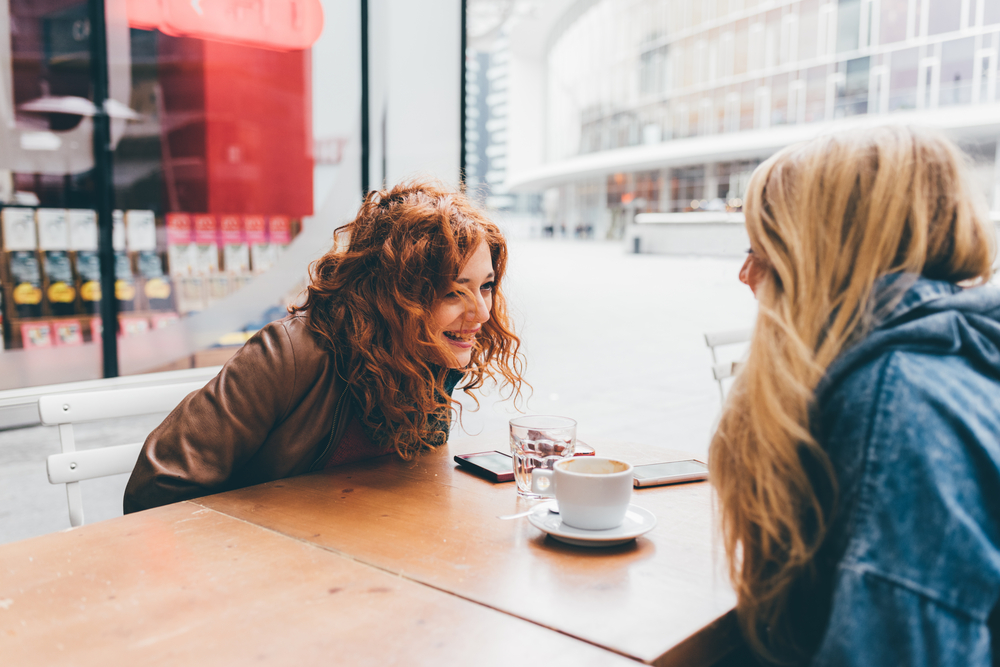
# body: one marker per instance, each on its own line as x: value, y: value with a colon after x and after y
x: 732, y: 118
x: 219, y: 161
x: 742, y: 48
x: 755, y: 56
x: 903, y: 75
x: 682, y: 120
x: 808, y: 29
x: 991, y: 11
x: 956, y: 71
x: 647, y: 190
x: 682, y: 72
x: 619, y: 188
x: 713, y: 56
x: 700, y: 62
x: 733, y: 178
x: 789, y: 38
x: 772, y: 39
x: 878, y: 101
x: 852, y: 93
x: 762, y: 107
x: 687, y: 188
x: 747, y: 102
x: 779, y: 99
x: 709, y: 9
x: 984, y: 74
x: 49, y: 267
x: 848, y: 25
x: 706, y: 117
x: 892, y: 21
x: 797, y: 98
x: 815, y: 104
x: 727, y: 54
x: 722, y: 172
x: 719, y: 109
x: 943, y: 16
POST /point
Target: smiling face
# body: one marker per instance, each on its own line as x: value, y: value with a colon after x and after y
x: 457, y: 320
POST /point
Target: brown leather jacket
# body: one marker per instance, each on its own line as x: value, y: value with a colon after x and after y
x: 268, y: 414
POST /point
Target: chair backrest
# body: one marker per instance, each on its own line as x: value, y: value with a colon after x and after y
x: 19, y: 407
x: 64, y: 410
x: 721, y: 371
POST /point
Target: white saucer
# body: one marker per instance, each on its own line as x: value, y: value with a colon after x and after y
x: 638, y: 521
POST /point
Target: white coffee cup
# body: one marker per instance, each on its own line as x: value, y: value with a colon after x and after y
x: 593, y: 493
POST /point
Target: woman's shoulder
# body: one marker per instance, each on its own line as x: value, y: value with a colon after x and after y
x: 922, y: 408
x: 918, y: 390
x: 913, y: 438
x: 286, y: 351
x: 910, y: 383
x: 291, y: 334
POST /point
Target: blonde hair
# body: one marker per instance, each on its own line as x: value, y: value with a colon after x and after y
x: 827, y: 219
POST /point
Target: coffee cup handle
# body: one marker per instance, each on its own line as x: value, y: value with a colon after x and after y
x: 542, y: 482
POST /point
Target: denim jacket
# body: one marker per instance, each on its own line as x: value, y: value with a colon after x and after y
x: 910, y: 418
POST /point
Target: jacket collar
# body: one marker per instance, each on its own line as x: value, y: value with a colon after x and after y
x: 899, y: 294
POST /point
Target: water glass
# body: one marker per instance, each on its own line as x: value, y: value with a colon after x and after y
x: 539, y: 441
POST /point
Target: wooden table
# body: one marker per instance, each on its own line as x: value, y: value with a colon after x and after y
x: 381, y: 562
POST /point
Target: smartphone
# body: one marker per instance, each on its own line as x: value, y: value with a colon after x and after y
x: 494, y: 466
x: 672, y: 472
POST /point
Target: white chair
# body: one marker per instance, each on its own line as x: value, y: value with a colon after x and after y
x: 721, y: 371
x: 64, y: 410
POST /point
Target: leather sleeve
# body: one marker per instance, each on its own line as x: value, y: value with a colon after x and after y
x: 202, y: 444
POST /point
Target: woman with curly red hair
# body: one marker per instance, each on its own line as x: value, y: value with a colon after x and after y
x: 405, y: 306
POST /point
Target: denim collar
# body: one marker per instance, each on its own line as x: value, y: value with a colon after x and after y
x: 916, y: 290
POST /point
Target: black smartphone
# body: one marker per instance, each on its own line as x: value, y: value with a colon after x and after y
x: 670, y: 472
x: 494, y: 466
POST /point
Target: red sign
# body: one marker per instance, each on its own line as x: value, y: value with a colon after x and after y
x: 280, y: 25
x: 230, y: 229
x: 278, y: 226
x: 254, y: 225
x: 204, y: 229
x: 178, y: 228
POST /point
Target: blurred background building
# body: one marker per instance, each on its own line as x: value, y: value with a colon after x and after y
x: 487, y: 125
x: 623, y: 107
x: 238, y: 127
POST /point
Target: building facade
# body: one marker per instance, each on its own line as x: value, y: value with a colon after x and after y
x: 668, y: 105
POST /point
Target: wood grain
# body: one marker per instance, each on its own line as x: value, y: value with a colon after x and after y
x: 184, y: 585
x: 433, y: 523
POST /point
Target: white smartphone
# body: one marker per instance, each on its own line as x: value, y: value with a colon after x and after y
x: 671, y: 472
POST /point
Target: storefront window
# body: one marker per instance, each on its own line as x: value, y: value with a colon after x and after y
x: 687, y: 188
x: 215, y: 171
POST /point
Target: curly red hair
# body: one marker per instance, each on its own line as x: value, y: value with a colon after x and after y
x: 370, y: 305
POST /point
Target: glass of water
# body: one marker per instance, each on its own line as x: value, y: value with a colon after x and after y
x: 538, y: 441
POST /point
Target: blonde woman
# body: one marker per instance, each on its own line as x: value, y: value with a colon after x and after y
x: 857, y: 460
